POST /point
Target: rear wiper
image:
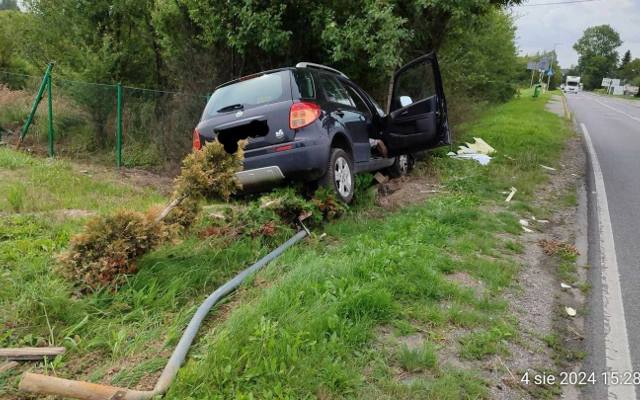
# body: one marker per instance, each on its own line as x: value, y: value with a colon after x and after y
x: 231, y: 107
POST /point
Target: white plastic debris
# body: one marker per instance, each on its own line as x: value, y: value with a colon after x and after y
x: 524, y: 222
x: 511, y: 194
x: 478, y: 151
x: 547, y: 168
x: 570, y: 311
x: 478, y: 147
x: 565, y: 286
x: 524, y: 228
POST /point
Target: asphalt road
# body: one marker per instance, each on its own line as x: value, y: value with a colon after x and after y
x: 611, y: 128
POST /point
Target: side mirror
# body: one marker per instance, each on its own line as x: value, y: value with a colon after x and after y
x: 405, y: 101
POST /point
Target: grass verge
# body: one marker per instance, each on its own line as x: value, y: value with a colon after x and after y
x: 386, y: 306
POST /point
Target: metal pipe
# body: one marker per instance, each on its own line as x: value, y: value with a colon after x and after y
x: 37, y: 383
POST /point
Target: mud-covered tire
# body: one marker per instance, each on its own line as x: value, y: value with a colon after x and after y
x: 402, y: 165
x: 340, y: 177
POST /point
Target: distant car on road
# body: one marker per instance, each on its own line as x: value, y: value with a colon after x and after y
x: 312, y: 123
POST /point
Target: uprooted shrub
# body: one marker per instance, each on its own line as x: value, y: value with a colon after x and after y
x: 108, y: 247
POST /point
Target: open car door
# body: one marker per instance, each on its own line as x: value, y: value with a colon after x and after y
x: 416, y: 111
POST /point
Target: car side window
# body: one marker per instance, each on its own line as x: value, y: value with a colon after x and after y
x: 304, y: 80
x: 359, y: 104
x: 333, y: 90
x: 414, y: 84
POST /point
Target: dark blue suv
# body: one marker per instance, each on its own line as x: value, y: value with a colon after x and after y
x: 312, y: 123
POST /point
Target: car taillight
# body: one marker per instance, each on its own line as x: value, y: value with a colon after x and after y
x: 302, y: 114
x: 197, y: 145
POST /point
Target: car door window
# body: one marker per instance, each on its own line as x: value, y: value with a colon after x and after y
x: 357, y: 101
x: 414, y: 84
x: 333, y: 91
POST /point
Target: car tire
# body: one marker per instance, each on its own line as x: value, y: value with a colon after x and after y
x: 402, y: 165
x: 339, y: 177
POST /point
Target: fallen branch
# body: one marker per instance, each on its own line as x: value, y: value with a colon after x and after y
x: 7, y: 366
x: 30, y: 353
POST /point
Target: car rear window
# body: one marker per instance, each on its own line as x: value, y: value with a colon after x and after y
x: 572, y: 83
x: 263, y: 89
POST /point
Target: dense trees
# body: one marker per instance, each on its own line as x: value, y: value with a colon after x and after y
x: 598, y: 57
x: 193, y: 45
x: 189, y: 43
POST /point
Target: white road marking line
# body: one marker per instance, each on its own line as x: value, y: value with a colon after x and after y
x: 618, y: 358
x: 615, y: 109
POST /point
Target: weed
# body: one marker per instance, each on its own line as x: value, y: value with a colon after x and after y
x: 420, y: 359
x: 16, y: 195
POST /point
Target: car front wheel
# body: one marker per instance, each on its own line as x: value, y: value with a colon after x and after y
x: 402, y: 165
x: 339, y: 176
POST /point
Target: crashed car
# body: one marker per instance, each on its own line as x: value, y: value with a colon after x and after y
x: 312, y: 123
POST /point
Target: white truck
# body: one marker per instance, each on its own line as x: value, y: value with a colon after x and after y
x: 572, y: 84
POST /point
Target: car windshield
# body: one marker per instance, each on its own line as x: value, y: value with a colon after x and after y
x: 572, y: 83
x: 263, y: 89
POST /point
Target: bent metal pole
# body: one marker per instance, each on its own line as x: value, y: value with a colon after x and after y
x: 37, y: 383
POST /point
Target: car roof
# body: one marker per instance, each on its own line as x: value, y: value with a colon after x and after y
x: 300, y: 65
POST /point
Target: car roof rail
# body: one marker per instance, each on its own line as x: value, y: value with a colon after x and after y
x: 305, y: 64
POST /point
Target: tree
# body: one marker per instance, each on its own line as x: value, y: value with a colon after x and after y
x: 598, y: 57
x: 626, y: 59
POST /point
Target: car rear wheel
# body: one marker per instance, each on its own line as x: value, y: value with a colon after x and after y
x: 339, y: 176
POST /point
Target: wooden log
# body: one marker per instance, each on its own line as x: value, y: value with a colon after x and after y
x: 30, y: 353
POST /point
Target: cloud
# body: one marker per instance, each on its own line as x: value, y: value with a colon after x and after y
x: 539, y: 28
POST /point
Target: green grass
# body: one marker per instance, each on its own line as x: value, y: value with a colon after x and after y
x: 420, y: 359
x: 312, y: 332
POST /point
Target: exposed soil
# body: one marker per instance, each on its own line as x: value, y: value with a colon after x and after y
x: 135, y: 177
x: 401, y: 192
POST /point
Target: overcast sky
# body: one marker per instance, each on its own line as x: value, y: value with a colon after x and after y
x: 540, y: 27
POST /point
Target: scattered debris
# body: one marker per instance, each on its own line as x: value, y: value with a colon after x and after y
x: 8, y: 365
x: 524, y: 222
x: 478, y: 147
x: 565, y: 286
x: 482, y: 159
x: 527, y: 230
x: 548, y: 168
x: 553, y: 247
x: 380, y: 178
x: 511, y: 194
x: 570, y: 311
x: 30, y: 353
x: 478, y: 151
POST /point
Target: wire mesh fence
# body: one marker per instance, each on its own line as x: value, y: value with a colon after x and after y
x: 102, y: 123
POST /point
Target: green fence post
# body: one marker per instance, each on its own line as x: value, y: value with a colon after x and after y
x: 35, y: 104
x: 119, y: 126
x: 50, y: 105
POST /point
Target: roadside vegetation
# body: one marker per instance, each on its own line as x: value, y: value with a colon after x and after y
x: 388, y: 304
x: 182, y: 50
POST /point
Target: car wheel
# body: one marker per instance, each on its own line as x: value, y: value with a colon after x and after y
x: 402, y: 165
x: 339, y: 176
